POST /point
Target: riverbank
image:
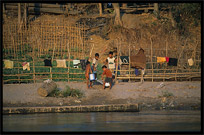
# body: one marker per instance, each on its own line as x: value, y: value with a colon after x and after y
x: 172, y: 96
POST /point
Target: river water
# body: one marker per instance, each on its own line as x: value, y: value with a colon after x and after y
x: 105, y: 121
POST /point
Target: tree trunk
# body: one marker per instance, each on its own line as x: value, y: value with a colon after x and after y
x: 100, y: 9
x: 19, y: 13
x: 46, y: 88
x: 172, y: 18
x: 156, y: 9
x: 117, y: 14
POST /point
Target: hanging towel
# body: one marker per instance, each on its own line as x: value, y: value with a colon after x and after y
x: 167, y: 59
x: 26, y: 65
x: 136, y: 71
x: 173, y: 62
x: 161, y: 59
x: 8, y: 64
x: 48, y: 62
x: 190, y: 62
x: 138, y: 60
x: 61, y: 63
x: 124, y: 59
x: 83, y: 64
x: 75, y: 63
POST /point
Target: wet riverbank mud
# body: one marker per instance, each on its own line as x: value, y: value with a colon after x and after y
x: 148, y: 96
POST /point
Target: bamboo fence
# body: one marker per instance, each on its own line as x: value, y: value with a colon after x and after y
x: 36, y: 42
x: 160, y: 71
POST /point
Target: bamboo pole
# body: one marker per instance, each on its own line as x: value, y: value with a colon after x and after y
x: 151, y: 57
x: 116, y: 74
x: 33, y: 56
x: 166, y: 56
x: 69, y: 61
x: 179, y: 58
x: 129, y: 62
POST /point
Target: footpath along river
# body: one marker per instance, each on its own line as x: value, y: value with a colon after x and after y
x: 188, y: 121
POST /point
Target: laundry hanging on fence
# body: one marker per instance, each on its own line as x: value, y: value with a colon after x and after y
x: 190, y: 62
x: 138, y: 60
x: 136, y: 72
x: 26, y: 65
x: 124, y: 59
x: 161, y: 59
x: 61, y: 63
x: 83, y: 64
x: 8, y: 64
x: 167, y: 59
x: 75, y: 63
x: 173, y: 62
x: 48, y: 62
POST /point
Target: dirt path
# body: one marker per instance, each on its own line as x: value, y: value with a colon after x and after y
x: 185, y: 95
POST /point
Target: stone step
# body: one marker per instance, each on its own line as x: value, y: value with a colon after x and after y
x: 70, y: 109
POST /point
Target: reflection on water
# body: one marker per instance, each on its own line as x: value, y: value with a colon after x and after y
x: 105, y: 121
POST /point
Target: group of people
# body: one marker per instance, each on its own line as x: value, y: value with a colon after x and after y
x: 108, y: 70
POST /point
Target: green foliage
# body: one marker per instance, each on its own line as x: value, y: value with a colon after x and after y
x: 55, y: 93
x: 67, y: 92
x: 71, y: 57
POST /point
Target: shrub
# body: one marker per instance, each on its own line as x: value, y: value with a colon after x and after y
x: 166, y: 94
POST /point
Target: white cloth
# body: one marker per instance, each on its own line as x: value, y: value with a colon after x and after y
x: 75, y: 63
x: 190, y: 62
x: 111, y: 63
x: 95, y: 61
x: 26, y: 66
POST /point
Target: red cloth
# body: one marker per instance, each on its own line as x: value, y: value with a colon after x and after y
x: 167, y: 59
x: 24, y: 63
x: 108, y: 73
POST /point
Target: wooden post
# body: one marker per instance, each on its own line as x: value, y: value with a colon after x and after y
x: 129, y: 62
x: 100, y: 9
x: 151, y: 57
x: 156, y: 9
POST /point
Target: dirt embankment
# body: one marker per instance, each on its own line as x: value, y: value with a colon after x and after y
x: 173, y: 95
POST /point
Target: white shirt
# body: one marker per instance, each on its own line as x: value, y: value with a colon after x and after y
x: 95, y: 61
x: 111, y: 63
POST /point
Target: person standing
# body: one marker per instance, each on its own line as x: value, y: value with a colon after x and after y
x: 108, y: 75
x: 95, y: 64
x: 110, y: 62
x: 87, y: 72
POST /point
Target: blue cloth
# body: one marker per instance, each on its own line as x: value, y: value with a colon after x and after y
x: 136, y: 71
x: 118, y: 73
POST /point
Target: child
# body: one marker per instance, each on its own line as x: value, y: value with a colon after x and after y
x: 95, y: 64
x: 87, y: 72
x: 108, y: 74
x: 110, y: 61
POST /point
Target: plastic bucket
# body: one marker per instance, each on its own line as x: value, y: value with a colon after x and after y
x: 91, y: 77
x: 107, y: 84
